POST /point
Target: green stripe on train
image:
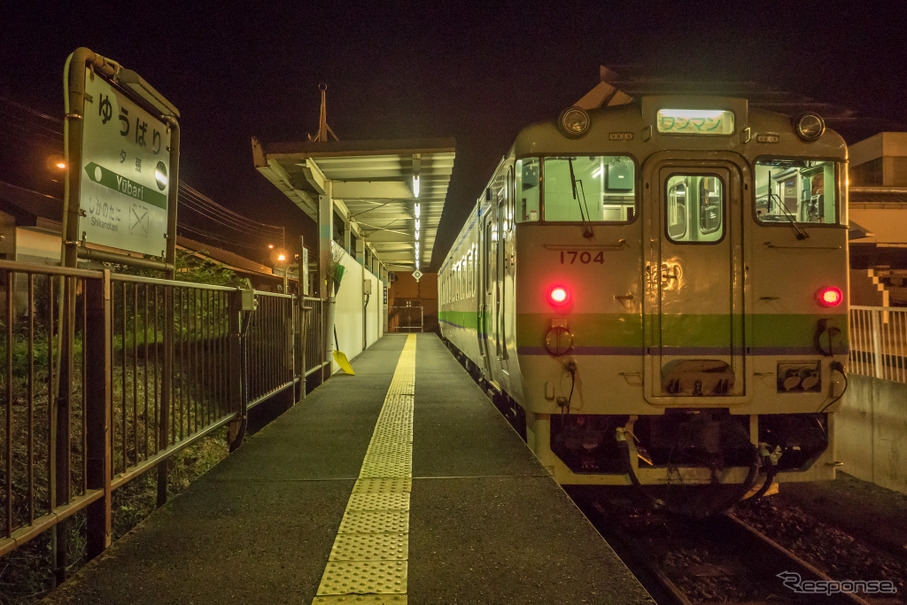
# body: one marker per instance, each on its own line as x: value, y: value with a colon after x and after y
x: 463, y: 319
x: 623, y: 330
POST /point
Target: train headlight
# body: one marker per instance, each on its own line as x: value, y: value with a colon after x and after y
x: 830, y: 296
x: 574, y: 122
x: 559, y: 296
x: 809, y: 126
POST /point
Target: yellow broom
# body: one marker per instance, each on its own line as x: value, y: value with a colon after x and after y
x: 339, y: 356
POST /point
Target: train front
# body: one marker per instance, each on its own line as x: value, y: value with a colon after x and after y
x: 681, y: 282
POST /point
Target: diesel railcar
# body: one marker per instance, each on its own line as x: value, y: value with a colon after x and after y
x: 656, y: 293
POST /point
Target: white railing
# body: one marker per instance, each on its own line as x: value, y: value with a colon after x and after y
x: 878, y: 342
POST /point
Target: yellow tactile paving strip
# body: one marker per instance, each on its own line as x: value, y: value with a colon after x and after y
x: 368, y: 563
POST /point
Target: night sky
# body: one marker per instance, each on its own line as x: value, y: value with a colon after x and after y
x: 473, y: 71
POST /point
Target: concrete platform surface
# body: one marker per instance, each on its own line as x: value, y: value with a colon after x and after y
x: 487, y: 524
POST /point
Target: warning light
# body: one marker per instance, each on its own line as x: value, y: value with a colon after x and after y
x: 830, y: 296
x: 559, y: 296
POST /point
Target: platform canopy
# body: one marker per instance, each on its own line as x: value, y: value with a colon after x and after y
x: 375, y: 186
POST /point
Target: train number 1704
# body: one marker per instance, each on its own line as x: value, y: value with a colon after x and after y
x: 572, y: 257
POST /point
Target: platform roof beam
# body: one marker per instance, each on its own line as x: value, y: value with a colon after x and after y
x: 371, y: 185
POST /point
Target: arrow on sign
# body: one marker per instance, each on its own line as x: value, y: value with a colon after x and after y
x: 121, y: 184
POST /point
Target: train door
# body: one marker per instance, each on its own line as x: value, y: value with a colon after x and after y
x: 486, y: 325
x: 503, y: 202
x: 694, y: 273
x: 496, y: 228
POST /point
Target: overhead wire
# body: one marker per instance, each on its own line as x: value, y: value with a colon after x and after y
x: 31, y: 110
x: 246, y: 242
x: 243, y: 233
x: 23, y: 126
x: 231, y: 244
x: 194, y: 195
x: 225, y: 216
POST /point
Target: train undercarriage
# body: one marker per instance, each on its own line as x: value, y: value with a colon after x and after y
x: 693, y: 461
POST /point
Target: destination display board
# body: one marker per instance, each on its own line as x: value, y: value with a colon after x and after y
x: 695, y: 121
x: 125, y: 185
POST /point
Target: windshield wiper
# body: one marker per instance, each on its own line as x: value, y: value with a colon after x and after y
x: 581, y: 202
x: 773, y: 197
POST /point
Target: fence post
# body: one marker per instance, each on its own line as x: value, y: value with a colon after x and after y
x: 62, y: 420
x: 876, y: 343
x: 237, y: 378
x: 299, y: 342
x: 163, y: 437
x: 98, y: 379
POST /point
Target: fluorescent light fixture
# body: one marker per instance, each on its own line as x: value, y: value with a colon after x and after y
x: 692, y: 114
x: 415, y: 185
x: 418, y: 209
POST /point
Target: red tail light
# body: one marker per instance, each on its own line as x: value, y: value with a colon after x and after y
x: 830, y: 296
x: 559, y: 296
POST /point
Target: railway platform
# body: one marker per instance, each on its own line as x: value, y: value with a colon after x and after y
x: 401, y: 484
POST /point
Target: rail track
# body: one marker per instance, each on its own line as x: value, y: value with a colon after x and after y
x: 718, y: 559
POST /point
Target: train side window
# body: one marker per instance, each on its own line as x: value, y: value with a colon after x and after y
x: 527, y: 189
x: 801, y: 191
x: 470, y: 268
x: 598, y: 189
x: 694, y: 208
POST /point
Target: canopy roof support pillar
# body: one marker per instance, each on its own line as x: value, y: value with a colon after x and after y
x: 325, y: 236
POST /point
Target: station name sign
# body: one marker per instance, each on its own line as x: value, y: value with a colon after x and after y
x: 125, y: 161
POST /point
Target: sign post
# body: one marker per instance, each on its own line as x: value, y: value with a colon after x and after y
x: 121, y: 142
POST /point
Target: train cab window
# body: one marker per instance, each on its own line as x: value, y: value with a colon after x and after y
x: 694, y: 208
x: 589, y: 188
x: 710, y: 206
x: 796, y: 191
x: 676, y: 211
x: 527, y: 190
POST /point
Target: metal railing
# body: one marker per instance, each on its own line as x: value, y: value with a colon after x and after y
x: 47, y: 431
x: 314, y: 359
x: 878, y: 342
x: 106, y: 376
x: 405, y: 319
x: 170, y: 366
x: 271, y: 346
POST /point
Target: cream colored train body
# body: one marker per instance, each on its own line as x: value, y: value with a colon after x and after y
x: 656, y: 293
